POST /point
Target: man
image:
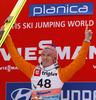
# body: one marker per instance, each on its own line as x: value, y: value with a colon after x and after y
x: 48, y: 78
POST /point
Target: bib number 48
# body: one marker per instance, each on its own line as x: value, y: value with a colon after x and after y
x: 46, y: 84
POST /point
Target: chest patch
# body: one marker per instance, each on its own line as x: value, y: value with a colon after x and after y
x: 37, y: 72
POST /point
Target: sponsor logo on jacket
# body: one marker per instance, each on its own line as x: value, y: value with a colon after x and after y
x: 37, y: 72
x: 49, y: 73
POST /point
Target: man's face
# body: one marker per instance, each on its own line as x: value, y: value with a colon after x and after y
x: 47, y: 59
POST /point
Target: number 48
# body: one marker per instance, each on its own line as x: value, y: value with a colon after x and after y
x: 47, y: 83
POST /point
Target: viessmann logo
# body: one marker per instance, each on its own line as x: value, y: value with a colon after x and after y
x: 61, y: 9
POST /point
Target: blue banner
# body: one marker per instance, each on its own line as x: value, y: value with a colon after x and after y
x: 70, y: 91
x: 78, y: 91
x: 18, y: 91
x: 61, y: 9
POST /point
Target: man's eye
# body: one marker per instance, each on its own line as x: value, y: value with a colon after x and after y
x: 48, y: 55
x: 43, y: 54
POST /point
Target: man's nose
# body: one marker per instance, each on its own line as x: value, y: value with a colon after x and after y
x: 45, y: 57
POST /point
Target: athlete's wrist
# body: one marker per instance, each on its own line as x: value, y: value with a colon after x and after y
x: 8, y: 35
x: 87, y: 40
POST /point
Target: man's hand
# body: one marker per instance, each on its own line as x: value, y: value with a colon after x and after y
x: 8, y: 19
x: 2, y: 28
x: 88, y: 34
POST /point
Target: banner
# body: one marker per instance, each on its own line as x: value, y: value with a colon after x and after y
x: 78, y: 91
x: 41, y: 23
x: 70, y: 91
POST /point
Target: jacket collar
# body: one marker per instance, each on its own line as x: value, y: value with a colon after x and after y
x: 49, y: 67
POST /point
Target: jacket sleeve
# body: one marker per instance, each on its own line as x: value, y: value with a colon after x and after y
x: 67, y: 72
x: 26, y: 67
